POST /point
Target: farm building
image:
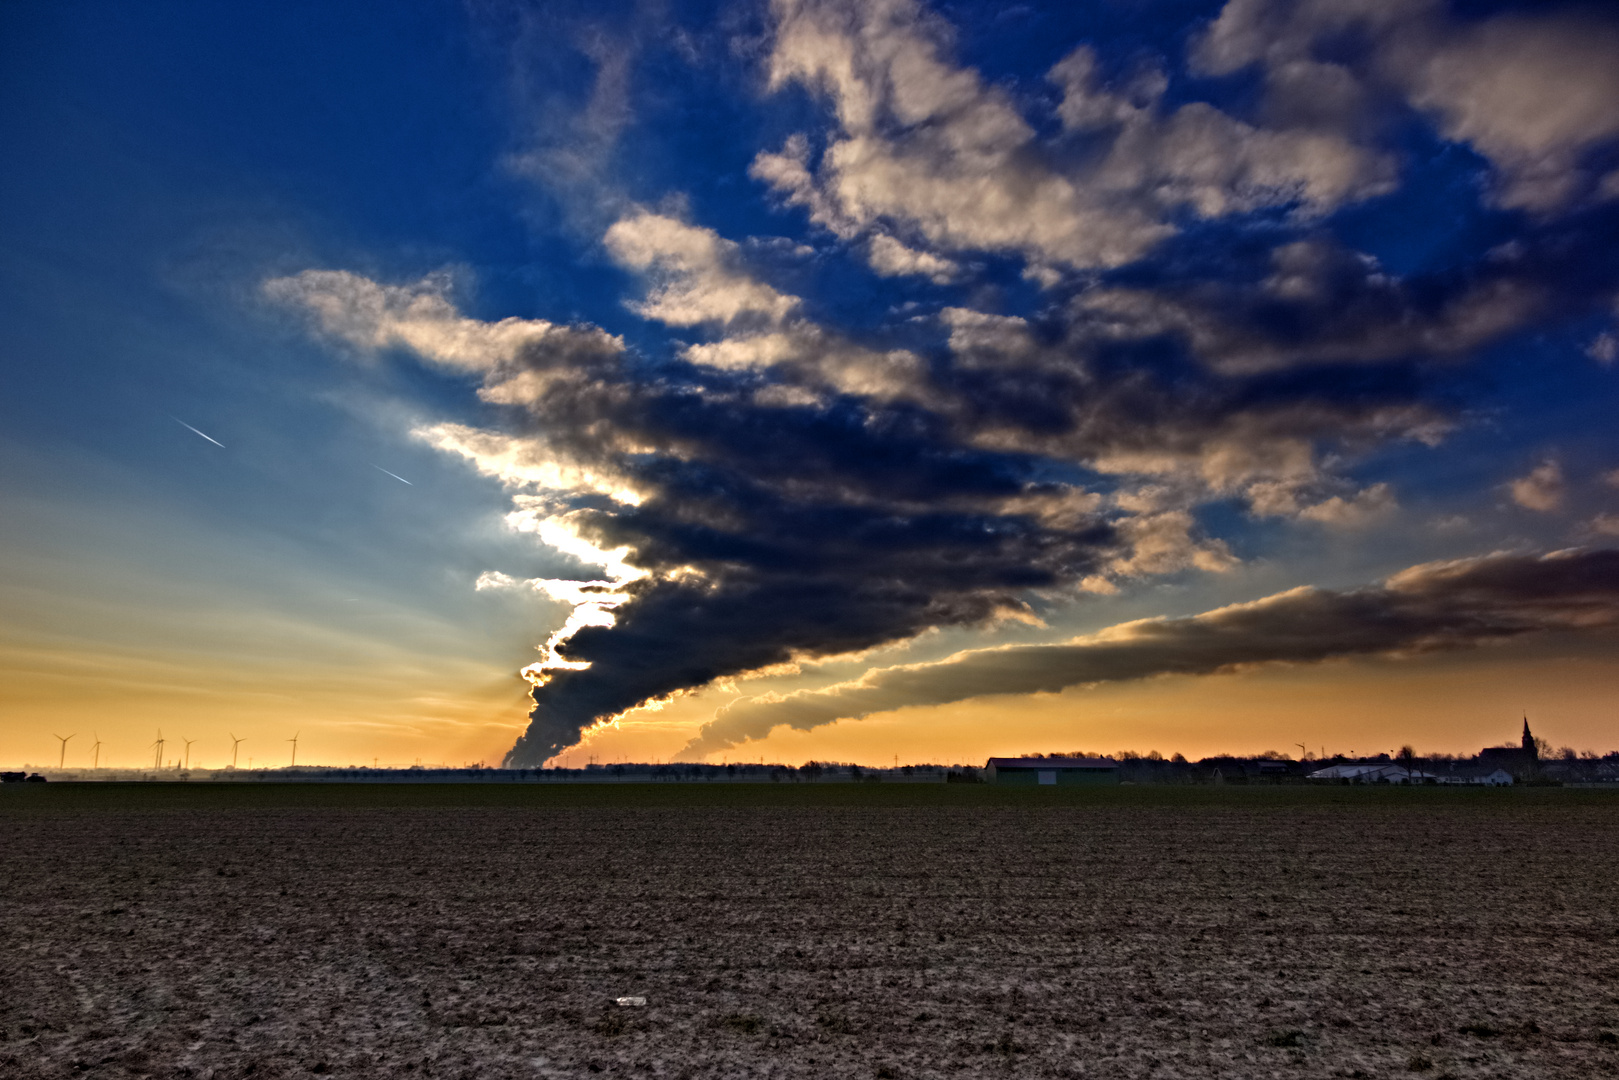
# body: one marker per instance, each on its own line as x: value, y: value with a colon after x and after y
x: 1378, y: 773
x: 1051, y: 770
x: 1497, y: 778
x: 1373, y: 773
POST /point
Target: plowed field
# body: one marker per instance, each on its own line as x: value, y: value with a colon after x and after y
x: 799, y: 931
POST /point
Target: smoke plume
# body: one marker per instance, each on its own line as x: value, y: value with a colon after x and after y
x: 781, y: 480
x: 1437, y: 606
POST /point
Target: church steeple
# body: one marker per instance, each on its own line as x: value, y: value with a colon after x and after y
x: 1529, y: 742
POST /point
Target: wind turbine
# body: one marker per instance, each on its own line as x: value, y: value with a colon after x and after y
x: 188, y: 743
x: 158, y: 761
x: 95, y: 748
x: 294, y: 742
x: 63, y: 757
x: 234, y: 743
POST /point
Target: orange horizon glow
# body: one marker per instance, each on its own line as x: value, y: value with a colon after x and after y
x: 463, y: 714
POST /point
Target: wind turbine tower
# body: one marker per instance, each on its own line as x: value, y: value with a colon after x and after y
x: 188, y: 743
x: 62, y: 758
x: 95, y: 750
x: 234, y: 744
x: 158, y: 746
x: 294, y: 742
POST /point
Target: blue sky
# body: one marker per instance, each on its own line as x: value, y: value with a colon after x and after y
x: 859, y: 335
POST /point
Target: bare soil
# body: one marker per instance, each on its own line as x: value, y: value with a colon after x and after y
x: 799, y: 932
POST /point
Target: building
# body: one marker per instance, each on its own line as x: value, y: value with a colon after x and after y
x: 1062, y: 771
x: 1521, y: 761
x: 1374, y: 773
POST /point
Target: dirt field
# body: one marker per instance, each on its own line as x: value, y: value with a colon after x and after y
x: 853, y: 931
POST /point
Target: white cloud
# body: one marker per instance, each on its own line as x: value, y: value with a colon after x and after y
x: 1604, y: 525
x: 1531, y: 92
x: 1200, y: 157
x: 890, y: 258
x: 1542, y: 490
x: 1528, y: 92
x: 697, y: 273
x: 1290, y: 498
x: 699, y: 279
x: 823, y: 361
x: 420, y: 317
x: 1604, y: 348
x: 930, y: 146
x: 1163, y: 544
x: 1360, y: 510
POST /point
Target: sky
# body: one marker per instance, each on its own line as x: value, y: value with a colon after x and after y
x: 544, y: 383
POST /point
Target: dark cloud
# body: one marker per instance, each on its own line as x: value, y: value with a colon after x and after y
x: 756, y: 529
x: 1437, y: 606
x: 1312, y: 302
x: 777, y: 485
x: 772, y: 533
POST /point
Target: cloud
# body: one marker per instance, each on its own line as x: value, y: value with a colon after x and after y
x: 698, y: 273
x: 1542, y: 490
x: 740, y: 531
x: 1604, y: 348
x: 1530, y: 92
x: 698, y: 278
x: 1163, y: 543
x: 777, y: 484
x: 1363, y: 509
x: 1358, y: 510
x: 1202, y: 158
x: 1321, y: 304
x: 926, y: 146
x: 790, y: 493
x: 890, y: 258
x: 1604, y: 525
x: 1436, y: 606
x: 1080, y: 388
x: 421, y: 318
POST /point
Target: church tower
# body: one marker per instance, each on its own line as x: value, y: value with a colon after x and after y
x: 1529, y: 750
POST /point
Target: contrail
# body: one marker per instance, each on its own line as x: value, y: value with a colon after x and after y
x: 193, y: 430
x: 380, y: 469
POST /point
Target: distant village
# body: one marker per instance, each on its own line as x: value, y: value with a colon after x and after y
x: 1526, y: 762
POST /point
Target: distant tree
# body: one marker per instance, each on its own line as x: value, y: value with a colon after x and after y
x: 1407, y: 757
x: 1153, y: 755
x: 1179, y: 759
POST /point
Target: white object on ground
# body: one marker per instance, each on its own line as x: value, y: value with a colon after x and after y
x: 629, y: 1001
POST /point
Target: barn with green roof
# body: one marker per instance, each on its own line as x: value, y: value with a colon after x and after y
x: 1052, y: 771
